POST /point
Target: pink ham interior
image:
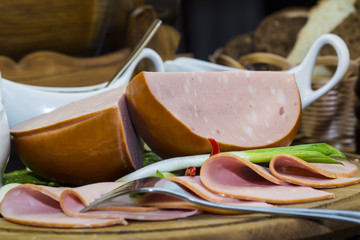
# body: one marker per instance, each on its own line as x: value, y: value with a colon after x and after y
x: 240, y: 108
x: 318, y: 175
x: 230, y: 172
x: 230, y: 175
x: 291, y: 169
x: 27, y: 201
x: 73, y: 110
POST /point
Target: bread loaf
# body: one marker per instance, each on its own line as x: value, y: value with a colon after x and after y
x: 277, y: 33
x: 240, y: 45
x: 348, y: 30
x: 323, y: 18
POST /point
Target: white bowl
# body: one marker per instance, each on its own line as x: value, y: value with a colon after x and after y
x: 4, y: 139
x: 303, y: 72
x: 23, y: 101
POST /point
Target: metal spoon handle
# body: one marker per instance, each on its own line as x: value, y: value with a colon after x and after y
x: 139, y: 47
x: 337, y: 215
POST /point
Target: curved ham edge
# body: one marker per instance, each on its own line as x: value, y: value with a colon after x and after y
x: 194, y: 184
x: 233, y: 176
x: 39, y: 206
x: 60, y: 207
x: 72, y: 203
x: 318, y: 175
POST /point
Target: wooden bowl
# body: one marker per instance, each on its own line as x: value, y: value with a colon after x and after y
x: 52, y: 69
x: 72, y: 27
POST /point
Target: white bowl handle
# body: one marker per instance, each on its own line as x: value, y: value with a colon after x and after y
x: 303, y: 72
x: 145, y: 53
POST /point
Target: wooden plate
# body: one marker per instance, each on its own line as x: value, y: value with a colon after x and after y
x: 211, y: 226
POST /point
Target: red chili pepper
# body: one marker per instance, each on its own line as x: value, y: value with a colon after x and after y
x: 215, y: 147
x: 190, y: 171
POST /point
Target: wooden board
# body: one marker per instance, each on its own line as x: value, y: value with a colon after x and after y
x: 211, y: 226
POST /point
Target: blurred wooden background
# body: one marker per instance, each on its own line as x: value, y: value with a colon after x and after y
x: 77, y: 43
x: 82, y: 42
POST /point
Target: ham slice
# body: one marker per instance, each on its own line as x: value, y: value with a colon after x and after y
x: 59, y: 207
x: 228, y: 174
x: 91, y: 140
x: 195, y: 185
x: 318, y: 175
x: 176, y: 113
x: 39, y: 206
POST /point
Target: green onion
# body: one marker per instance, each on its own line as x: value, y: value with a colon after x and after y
x: 315, y: 153
x: 26, y: 176
x: 163, y: 174
x: 265, y: 157
x: 322, y: 148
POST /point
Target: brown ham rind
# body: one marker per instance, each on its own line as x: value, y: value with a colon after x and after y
x: 175, y: 113
x: 318, y: 175
x: 88, y: 141
x: 44, y: 206
x: 236, y: 177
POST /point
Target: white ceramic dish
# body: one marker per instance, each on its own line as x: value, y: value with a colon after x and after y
x: 23, y: 102
x: 303, y: 72
x: 4, y: 139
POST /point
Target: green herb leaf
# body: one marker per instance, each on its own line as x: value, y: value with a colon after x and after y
x: 136, y: 195
x: 27, y: 176
x: 150, y: 157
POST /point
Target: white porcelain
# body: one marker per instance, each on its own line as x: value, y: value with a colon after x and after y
x: 4, y: 139
x: 23, y: 101
x: 303, y: 72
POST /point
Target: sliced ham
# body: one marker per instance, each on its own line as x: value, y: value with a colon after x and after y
x: 193, y: 185
x: 88, y: 141
x: 75, y: 199
x: 60, y: 207
x: 228, y: 174
x: 175, y: 113
x: 39, y: 206
x: 318, y: 175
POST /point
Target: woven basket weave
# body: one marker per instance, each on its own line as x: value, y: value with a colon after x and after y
x: 332, y: 118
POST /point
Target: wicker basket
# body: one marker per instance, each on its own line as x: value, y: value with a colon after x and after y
x: 332, y: 118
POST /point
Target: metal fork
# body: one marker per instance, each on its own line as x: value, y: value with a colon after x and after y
x: 161, y: 185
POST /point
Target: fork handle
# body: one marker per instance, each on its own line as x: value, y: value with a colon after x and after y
x: 337, y: 215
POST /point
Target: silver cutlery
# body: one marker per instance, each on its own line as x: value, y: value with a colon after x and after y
x: 164, y: 186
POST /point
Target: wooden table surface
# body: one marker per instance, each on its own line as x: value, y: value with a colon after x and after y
x: 211, y: 226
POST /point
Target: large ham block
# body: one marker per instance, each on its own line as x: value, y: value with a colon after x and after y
x: 87, y: 141
x: 176, y: 113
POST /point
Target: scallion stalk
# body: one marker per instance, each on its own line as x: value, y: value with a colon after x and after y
x: 323, y: 148
x: 315, y: 153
